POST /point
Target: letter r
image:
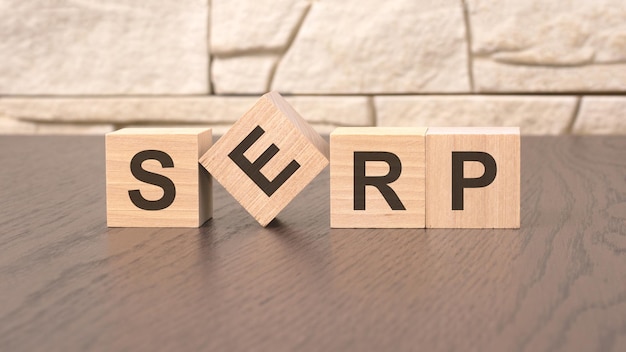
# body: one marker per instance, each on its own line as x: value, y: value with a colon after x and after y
x: 380, y: 182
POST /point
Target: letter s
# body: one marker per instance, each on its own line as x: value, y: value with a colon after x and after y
x: 169, y: 190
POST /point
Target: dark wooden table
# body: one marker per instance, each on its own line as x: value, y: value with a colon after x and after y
x: 67, y: 283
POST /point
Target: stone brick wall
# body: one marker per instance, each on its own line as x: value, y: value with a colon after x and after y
x: 86, y: 66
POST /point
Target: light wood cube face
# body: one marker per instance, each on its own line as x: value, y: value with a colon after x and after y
x: 377, y: 177
x: 154, y: 179
x: 267, y: 157
x: 473, y: 177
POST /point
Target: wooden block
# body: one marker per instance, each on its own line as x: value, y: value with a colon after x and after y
x: 377, y: 177
x: 154, y: 180
x: 267, y: 157
x: 473, y: 177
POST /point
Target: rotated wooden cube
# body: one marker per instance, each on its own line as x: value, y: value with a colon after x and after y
x: 267, y: 157
x: 473, y: 177
x: 377, y: 177
x: 153, y: 178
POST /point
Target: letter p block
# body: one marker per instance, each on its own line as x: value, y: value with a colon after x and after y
x: 267, y: 157
x: 473, y: 177
x: 377, y: 177
x: 153, y: 178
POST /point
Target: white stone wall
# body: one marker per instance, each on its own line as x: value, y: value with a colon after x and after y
x: 87, y: 66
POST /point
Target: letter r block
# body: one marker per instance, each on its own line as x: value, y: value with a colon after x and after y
x: 473, y: 177
x: 153, y: 178
x: 267, y: 157
x: 377, y: 177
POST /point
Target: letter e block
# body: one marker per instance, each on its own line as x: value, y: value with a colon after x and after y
x: 153, y: 178
x: 377, y: 177
x: 473, y: 177
x: 267, y: 157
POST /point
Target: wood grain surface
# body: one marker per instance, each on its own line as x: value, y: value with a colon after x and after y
x: 67, y: 283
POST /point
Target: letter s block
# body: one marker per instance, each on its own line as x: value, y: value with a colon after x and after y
x: 153, y: 178
x: 267, y: 157
x: 377, y: 177
x: 473, y: 177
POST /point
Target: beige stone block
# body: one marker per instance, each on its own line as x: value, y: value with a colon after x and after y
x: 128, y: 110
x: 358, y: 46
x: 549, y: 46
x: 214, y: 110
x: 534, y: 114
x: 254, y: 25
x: 13, y: 126
x: 601, y: 115
x: 101, y: 48
x: 72, y: 129
x: 242, y: 74
x: 497, y: 77
x: 338, y: 110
